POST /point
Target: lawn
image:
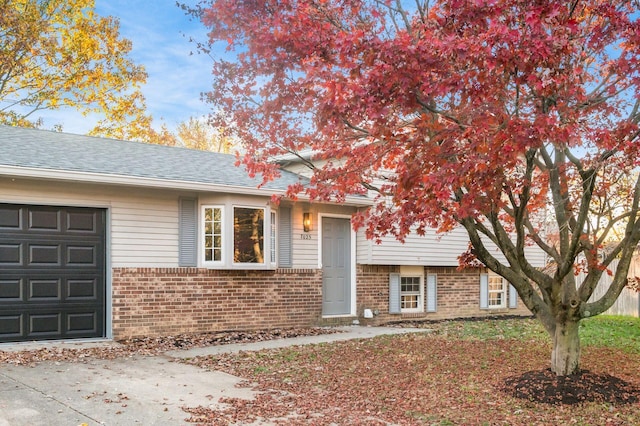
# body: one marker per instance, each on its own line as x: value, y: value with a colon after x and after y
x: 453, y: 375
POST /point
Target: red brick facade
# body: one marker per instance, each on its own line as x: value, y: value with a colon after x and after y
x: 458, y: 295
x: 163, y: 301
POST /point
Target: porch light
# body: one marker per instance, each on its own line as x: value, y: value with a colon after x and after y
x: 306, y: 221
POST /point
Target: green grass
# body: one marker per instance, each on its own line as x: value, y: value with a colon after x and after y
x: 604, y: 331
x: 611, y: 331
x: 519, y: 328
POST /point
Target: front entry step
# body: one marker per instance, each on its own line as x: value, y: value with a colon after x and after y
x: 336, y: 321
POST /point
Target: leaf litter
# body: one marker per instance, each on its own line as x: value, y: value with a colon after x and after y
x: 148, y: 346
x: 425, y: 378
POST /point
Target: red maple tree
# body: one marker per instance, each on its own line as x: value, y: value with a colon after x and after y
x: 501, y: 116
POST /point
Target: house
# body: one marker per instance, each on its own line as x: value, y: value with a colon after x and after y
x: 115, y: 239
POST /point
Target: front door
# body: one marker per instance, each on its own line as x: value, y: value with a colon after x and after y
x: 336, y: 266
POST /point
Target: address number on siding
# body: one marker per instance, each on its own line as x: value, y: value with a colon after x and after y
x: 305, y: 236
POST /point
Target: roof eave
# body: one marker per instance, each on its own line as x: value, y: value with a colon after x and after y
x: 146, y: 182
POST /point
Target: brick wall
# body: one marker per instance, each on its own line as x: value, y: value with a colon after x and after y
x: 458, y: 295
x: 162, y: 301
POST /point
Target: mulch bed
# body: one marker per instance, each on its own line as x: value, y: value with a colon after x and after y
x: 545, y: 387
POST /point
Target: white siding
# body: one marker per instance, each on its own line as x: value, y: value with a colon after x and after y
x: 430, y: 250
x: 305, y: 251
x: 142, y: 224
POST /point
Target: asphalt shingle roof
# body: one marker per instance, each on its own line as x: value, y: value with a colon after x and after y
x: 47, y: 150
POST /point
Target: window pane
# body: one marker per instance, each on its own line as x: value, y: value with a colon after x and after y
x: 497, y: 289
x: 213, y: 234
x: 409, y: 302
x: 248, y: 235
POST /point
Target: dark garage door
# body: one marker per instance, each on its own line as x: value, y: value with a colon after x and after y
x: 52, y: 272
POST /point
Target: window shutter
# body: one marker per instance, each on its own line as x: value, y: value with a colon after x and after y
x: 513, y: 297
x: 394, y: 293
x: 484, y: 291
x: 187, y: 235
x: 432, y: 295
x: 284, y: 238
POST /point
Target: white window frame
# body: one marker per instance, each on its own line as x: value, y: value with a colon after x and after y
x: 273, y: 235
x: 265, y: 236
x: 412, y: 272
x: 494, y: 278
x: 227, y: 209
x: 223, y: 236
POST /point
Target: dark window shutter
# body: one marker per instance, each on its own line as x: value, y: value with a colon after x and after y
x: 432, y: 292
x: 484, y: 291
x: 394, y: 294
x: 284, y: 238
x: 187, y: 232
x: 513, y: 297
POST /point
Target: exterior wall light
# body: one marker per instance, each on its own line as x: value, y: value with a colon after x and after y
x: 306, y: 222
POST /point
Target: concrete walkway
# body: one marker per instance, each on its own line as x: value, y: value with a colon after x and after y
x: 132, y: 391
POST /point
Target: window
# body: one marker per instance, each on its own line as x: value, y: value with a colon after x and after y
x: 237, y: 237
x: 497, y: 291
x: 411, y: 291
x: 248, y: 235
x: 213, y: 226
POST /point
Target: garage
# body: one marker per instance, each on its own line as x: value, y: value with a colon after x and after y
x: 52, y: 272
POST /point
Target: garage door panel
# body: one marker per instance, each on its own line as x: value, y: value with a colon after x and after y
x: 11, y: 254
x: 82, y: 222
x: 44, y: 220
x: 45, y: 290
x: 44, y: 324
x: 48, y: 323
x: 82, y: 323
x: 10, y: 290
x: 11, y: 217
x: 81, y: 256
x: 48, y: 255
x: 52, y: 272
x: 82, y: 290
x: 11, y: 326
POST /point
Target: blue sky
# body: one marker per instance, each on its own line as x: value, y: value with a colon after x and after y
x: 160, y: 34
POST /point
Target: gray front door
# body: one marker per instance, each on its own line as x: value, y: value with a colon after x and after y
x: 336, y: 266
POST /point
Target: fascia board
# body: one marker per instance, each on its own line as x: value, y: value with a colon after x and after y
x: 146, y: 182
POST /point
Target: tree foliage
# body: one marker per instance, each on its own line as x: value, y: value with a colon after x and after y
x: 506, y: 117
x: 56, y: 54
x: 199, y: 134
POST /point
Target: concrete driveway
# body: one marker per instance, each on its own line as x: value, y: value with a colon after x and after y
x: 131, y: 391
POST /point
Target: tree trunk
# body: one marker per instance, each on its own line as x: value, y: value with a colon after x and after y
x: 565, y: 357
